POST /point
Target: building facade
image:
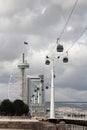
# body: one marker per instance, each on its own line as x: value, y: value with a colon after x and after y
x: 35, y: 95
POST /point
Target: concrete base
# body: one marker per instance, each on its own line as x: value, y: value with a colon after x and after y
x: 26, y: 124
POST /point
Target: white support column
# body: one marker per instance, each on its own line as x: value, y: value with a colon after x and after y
x: 52, y: 109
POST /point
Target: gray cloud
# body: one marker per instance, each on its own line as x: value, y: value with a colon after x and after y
x: 40, y: 23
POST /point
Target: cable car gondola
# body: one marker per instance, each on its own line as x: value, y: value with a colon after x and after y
x: 35, y: 90
x: 38, y: 89
x: 60, y: 48
x: 42, y: 89
x: 33, y: 95
x: 46, y: 87
x: 42, y: 81
x: 65, y: 59
x: 47, y: 62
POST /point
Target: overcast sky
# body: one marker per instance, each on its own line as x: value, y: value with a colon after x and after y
x: 40, y: 22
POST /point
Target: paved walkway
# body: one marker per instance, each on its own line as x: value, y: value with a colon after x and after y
x: 17, y: 120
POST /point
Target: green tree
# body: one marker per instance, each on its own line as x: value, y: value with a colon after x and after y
x: 6, y: 107
x: 20, y: 107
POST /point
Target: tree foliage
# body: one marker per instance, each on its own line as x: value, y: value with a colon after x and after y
x: 9, y: 108
x: 20, y: 108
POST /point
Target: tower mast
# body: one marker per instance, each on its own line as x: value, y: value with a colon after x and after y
x: 24, y: 65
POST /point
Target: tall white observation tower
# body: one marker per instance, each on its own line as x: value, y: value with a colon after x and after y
x: 22, y: 66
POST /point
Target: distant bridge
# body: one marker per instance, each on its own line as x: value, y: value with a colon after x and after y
x: 69, y: 121
x: 71, y: 102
